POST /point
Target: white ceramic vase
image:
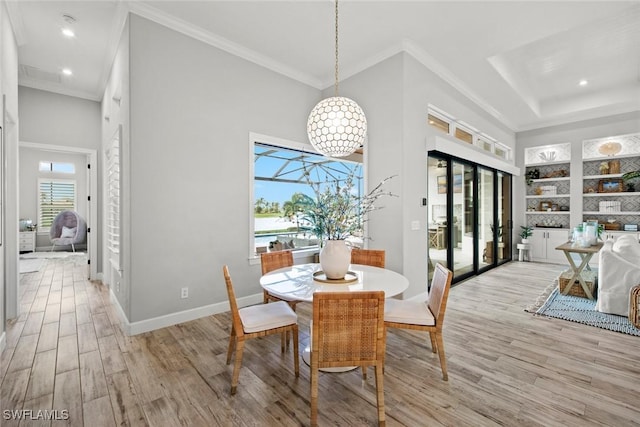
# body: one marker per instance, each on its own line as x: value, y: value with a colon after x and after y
x: 335, y: 257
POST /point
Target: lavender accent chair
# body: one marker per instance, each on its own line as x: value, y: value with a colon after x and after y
x: 68, y: 228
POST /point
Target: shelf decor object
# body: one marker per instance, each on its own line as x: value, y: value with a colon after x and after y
x: 337, y: 126
x: 610, y: 148
x: 612, y: 185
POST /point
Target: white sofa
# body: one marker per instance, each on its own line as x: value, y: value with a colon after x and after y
x: 619, y: 271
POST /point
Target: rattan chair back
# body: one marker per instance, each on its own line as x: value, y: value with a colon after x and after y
x: 439, y: 293
x: 273, y: 260
x: 348, y: 330
x: 372, y: 257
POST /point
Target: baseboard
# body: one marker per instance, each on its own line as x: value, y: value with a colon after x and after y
x: 3, y: 341
x: 135, y: 328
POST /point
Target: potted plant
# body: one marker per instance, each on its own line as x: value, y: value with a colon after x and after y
x: 630, y: 186
x: 531, y: 174
x: 525, y: 233
x: 336, y: 213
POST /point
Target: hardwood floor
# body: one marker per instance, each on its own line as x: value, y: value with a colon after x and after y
x: 506, y: 366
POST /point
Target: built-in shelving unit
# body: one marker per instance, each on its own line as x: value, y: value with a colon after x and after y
x: 548, y: 195
x: 600, y: 188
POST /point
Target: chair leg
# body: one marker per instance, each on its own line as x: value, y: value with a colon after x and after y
x: 443, y: 361
x: 236, y: 366
x: 53, y: 246
x: 364, y: 372
x: 232, y: 344
x: 380, y: 394
x: 434, y: 345
x: 265, y: 297
x: 73, y: 247
x: 314, y: 394
x: 296, y: 358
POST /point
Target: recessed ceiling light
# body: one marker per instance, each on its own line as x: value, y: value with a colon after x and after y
x: 583, y: 82
x: 68, y: 32
x: 67, y: 71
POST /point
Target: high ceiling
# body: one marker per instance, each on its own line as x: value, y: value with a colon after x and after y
x: 520, y: 61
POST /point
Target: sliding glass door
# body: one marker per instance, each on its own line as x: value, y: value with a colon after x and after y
x: 469, y: 216
x: 463, y: 228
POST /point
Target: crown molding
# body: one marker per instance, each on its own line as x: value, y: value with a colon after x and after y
x: 441, y: 71
x: 55, y: 88
x: 351, y: 71
x: 181, y: 26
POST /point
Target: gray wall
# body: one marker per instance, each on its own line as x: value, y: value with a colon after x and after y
x: 395, y: 95
x: 50, y: 118
x: 192, y: 108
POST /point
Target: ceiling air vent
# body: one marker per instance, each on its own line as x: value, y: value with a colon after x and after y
x: 38, y: 74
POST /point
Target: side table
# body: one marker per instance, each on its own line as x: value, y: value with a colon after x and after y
x: 524, y: 250
x: 585, y: 255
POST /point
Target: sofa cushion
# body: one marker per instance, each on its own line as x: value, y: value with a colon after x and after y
x: 627, y: 247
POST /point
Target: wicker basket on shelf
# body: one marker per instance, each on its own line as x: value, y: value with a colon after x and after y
x: 576, y: 290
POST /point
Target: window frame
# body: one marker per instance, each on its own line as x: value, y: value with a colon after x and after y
x: 52, y: 181
x: 306, y: 147
x: 478, y: 138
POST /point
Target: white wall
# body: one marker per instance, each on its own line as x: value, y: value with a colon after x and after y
x: 192, y: 108
x: 574, y: 133
x: 9, y: 248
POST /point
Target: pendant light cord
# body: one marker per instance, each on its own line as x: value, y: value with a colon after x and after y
x: 336, y: 84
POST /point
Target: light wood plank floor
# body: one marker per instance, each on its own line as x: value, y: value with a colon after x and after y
x: 506, y: 367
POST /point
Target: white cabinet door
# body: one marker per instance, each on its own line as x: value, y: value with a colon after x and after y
x: 544, y: 243
x: 538, y: 242
x: 556, y: 238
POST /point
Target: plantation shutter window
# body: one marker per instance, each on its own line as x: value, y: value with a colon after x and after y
x: 113, y: 202
x: 55, y: 196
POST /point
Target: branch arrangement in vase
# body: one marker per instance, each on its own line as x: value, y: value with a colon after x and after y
x: 338, y: 211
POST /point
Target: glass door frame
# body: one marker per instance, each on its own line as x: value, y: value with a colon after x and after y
x: 507, y: 228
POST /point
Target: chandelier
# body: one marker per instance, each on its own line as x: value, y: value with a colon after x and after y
x: 337, y: 126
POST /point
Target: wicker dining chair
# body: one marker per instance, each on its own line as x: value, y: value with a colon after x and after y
x: 270, y: 261
x: 424, y: 316
x: 348, y: 330
x: 371, y: 257
x: 258, y: 321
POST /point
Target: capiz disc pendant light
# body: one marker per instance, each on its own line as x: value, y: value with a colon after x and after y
x: 337, y: 125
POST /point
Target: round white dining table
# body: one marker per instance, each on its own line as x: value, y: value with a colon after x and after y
x: 298, y: 283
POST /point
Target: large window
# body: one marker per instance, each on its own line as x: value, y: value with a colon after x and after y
x: 54, y: 196
x: 283, y: 179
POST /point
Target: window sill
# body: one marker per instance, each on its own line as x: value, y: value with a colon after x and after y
x: 297, y: 254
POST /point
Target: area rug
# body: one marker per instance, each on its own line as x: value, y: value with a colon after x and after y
x: 580, y: 310
x: 50, y: 255
x: 31, y: 265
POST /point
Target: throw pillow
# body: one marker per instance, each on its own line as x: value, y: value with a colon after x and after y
x: 68, y: 233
